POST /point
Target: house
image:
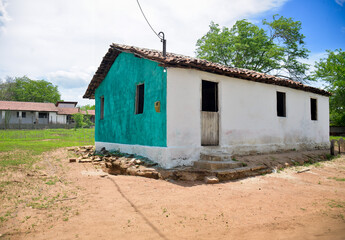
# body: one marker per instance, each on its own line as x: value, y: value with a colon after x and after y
x: 15, y: 114
x: 28, y: 112
x: 170, y: 109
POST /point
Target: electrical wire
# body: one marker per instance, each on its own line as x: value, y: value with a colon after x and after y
x: 148, y: 21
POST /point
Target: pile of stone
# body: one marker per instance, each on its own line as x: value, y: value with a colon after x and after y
x: 116, y: 163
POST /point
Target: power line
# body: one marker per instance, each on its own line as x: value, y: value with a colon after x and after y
x: 160, y: 35
x: 147, y: 20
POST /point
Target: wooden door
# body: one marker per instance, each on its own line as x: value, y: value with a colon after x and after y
x: 209, y: 114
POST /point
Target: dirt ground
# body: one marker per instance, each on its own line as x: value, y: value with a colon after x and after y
x: 62, y: 200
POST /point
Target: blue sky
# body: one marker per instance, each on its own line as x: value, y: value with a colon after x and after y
x: 63, y: 41
x: 323, y: 22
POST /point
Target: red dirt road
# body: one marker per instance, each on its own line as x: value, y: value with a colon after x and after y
x: 285, y: 205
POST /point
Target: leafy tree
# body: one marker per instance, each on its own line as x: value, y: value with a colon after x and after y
x: 81, y: 120
x: 88, y: 107
x: 27, y: 90
x: 276, y: 51
x: 7, y: 89
x: 332, y: 71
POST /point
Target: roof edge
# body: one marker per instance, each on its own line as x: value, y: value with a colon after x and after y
x: 180, y: 61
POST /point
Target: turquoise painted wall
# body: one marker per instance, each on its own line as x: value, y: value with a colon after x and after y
x: 120, y: 123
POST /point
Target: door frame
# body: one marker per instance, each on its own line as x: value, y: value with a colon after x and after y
x: 218, y: 84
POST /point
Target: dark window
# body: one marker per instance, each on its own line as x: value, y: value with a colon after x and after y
x: 281, y: 104
x: 209, y: 96
x: 139, y: 103
x: 102, y: 107
x: 42, y: 115
x: 313, y: 108
x: 23, y: 114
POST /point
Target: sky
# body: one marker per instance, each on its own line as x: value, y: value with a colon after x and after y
x: 64, y: 41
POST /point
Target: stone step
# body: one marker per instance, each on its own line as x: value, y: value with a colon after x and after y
x: 214, y: 165
x: 238, y: 173
x: 215, y: 157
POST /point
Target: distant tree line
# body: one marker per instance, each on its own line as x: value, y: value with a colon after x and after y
x: 27, y: 90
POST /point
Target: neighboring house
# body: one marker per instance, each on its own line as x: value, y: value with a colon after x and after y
x: 28, y: 112
x: 170, y: 109
x: 18, y: 114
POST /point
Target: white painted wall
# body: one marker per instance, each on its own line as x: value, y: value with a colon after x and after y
x: 30, y: 118
x: 248, y: 117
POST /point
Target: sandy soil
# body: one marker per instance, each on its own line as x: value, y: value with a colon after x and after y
x: 282, y: 205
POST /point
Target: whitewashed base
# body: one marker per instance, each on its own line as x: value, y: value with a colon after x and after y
x: 169, y: 157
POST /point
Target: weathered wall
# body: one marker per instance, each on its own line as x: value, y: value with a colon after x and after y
x: 248, y: 117
x: 120, y: 124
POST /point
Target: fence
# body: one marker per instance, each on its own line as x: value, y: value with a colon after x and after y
x: 337, y: 131
x: 337, y: 146
x: 36, y: 126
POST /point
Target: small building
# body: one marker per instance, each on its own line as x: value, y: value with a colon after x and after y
x: 170, y: 109
x: 14, y: 114
x: 28, y: 112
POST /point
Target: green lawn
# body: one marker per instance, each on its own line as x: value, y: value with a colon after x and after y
x: 21, y: 146
x: 336, y: 137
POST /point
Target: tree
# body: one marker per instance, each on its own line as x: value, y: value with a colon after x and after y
x: 7, y: 89
x: 276, y: 51
x: 332, y: 71
x: 81, y: 120
x: 27, y: 90
x: 88, y: 107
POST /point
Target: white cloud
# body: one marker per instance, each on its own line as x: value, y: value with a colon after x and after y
x: 340, y: 2
x: 4, y: 18
x: 59, y: 40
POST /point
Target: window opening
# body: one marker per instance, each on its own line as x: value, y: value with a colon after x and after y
x: 313, y: 108
x: 209, y: 96
x: 42, y: 115
x: 139, y: 106
x: 281, y: 104
x: 23, y: 114
x: 102, y: 107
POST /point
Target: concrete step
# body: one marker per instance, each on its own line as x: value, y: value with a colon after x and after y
x: 215, y: 157
x: 214, y: 165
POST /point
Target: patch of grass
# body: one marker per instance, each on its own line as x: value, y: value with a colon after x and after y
x: 336, y: 137
x: 336, y: 204
x: 337, y: 179
x: 331, y: 157
x: 21, y: 147
x: 317, y: 164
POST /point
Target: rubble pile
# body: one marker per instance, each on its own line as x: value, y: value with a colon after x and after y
x: 116, y: 163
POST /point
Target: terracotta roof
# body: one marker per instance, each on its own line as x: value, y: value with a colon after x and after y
x: 89, y: 112
x: 180, y: 61
x: 27, y: 106
x: 67, y: 111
